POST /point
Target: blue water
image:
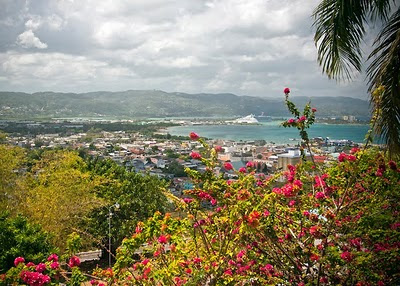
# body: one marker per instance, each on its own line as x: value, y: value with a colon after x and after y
x: 273, y: 132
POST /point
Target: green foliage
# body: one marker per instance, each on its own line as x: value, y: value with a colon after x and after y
x: 176, y: 169
x: 18, y: 237
x: 138, y: 196
x: 11, y: 172
x: 340, y: 29
x: 60, y: 192
x: 74, y: 244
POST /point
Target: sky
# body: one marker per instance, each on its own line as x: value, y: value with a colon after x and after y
x: 245, y: 47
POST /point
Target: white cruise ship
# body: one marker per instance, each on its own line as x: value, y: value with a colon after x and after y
x: 249, y: 119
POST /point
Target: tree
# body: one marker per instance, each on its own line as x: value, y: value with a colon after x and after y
x: 18, y: 237
x: 11, y: 164
x: 138, y: 196
x: 340, y: 28
x: 60, y: 193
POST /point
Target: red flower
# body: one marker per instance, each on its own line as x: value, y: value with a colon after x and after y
x: 162, y: 239
x: 195, y: 155
x: 242, y: 170
x: 228, y: 166
x: 392, y: 165
x: 194, y: 136
x: 52, y: 257
x: 187, y: 200
x: 342, y: 157
x: 145, y: 261
x: 228, y: 272
x: 291, y: 121
x: 314, y: 257
x: 351, y: 158
x: 346, y: 256
x: 315, y: 230
x: 30, y: 264
x: 250, y: 164
x: 188, y: 271
x: 286, y: 90
x: 314, y: 110
x: 319, y: 195
x: 354, y: 150
x: 18, y: 260
x: 218, y: 148
x: 302, y: 119
x: 40, y: 267
x: 74, y: 261
x: 54, y: 265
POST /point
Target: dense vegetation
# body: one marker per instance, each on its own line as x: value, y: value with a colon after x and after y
x: 64, y: 193
x: 314, y: 224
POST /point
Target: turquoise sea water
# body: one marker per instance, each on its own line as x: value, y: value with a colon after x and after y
x: 273, y: 132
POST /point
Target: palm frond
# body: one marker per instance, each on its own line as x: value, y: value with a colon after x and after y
x: 380, y: 9
x: 385, y: 71
x: 339, y: 31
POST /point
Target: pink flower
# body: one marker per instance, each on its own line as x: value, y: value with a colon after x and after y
x: 266, y: 213
x: 194, y: 136
x: 319, y: 195
x: 162, y: 239
x: 354, y: 150
x: 187, y: 200
x: 292, y: 203
x: 74, y: 261
x: 228, y: 272
x: 250, y: 164
x: 392, y: 165
x: 94, y: 282
x: 52, y: 257
x: 323, y: 280
x: 286, y: 90
x: 291, y: 121
x: 40, y: 267
x: 213, y: 202
x: 30, y: 264
x: 342, y: 157
x: 228, y: 166
x: 315, y: 230
x: 302, y: 119
x: 145, y: 261
x: 218, y: 148
x: 54, y: 265
x: 346, y: 256
x: 195, y: 155
x: 242, y: 170
x: 314, y: 110
x: 351, y: 158
x: 18, y: 260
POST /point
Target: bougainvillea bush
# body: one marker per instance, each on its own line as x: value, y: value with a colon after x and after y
x: 310, y: 225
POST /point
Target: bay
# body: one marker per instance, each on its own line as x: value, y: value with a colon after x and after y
x: 273, y: 132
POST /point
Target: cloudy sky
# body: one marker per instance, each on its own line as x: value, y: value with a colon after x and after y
x: 246, y: 47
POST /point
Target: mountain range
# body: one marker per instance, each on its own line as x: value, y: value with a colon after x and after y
x: 156, y: 103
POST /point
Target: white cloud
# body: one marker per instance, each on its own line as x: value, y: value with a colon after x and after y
x: 28, y: 40
x: 251, y: 47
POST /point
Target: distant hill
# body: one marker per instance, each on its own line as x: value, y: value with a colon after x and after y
x: 155, y: 103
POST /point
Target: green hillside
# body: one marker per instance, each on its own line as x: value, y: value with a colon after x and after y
x: 154, y: 103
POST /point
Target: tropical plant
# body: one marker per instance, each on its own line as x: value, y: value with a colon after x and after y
x: 340, y: 28
x: 18, y: 237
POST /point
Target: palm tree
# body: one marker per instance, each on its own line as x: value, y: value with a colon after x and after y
x: 340, y: 28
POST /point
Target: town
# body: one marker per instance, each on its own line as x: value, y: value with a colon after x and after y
x: 153, y: 151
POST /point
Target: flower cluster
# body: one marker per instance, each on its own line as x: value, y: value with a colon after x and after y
x: 34, y: 278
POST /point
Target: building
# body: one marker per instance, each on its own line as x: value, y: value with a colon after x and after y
x: 292, y: 157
